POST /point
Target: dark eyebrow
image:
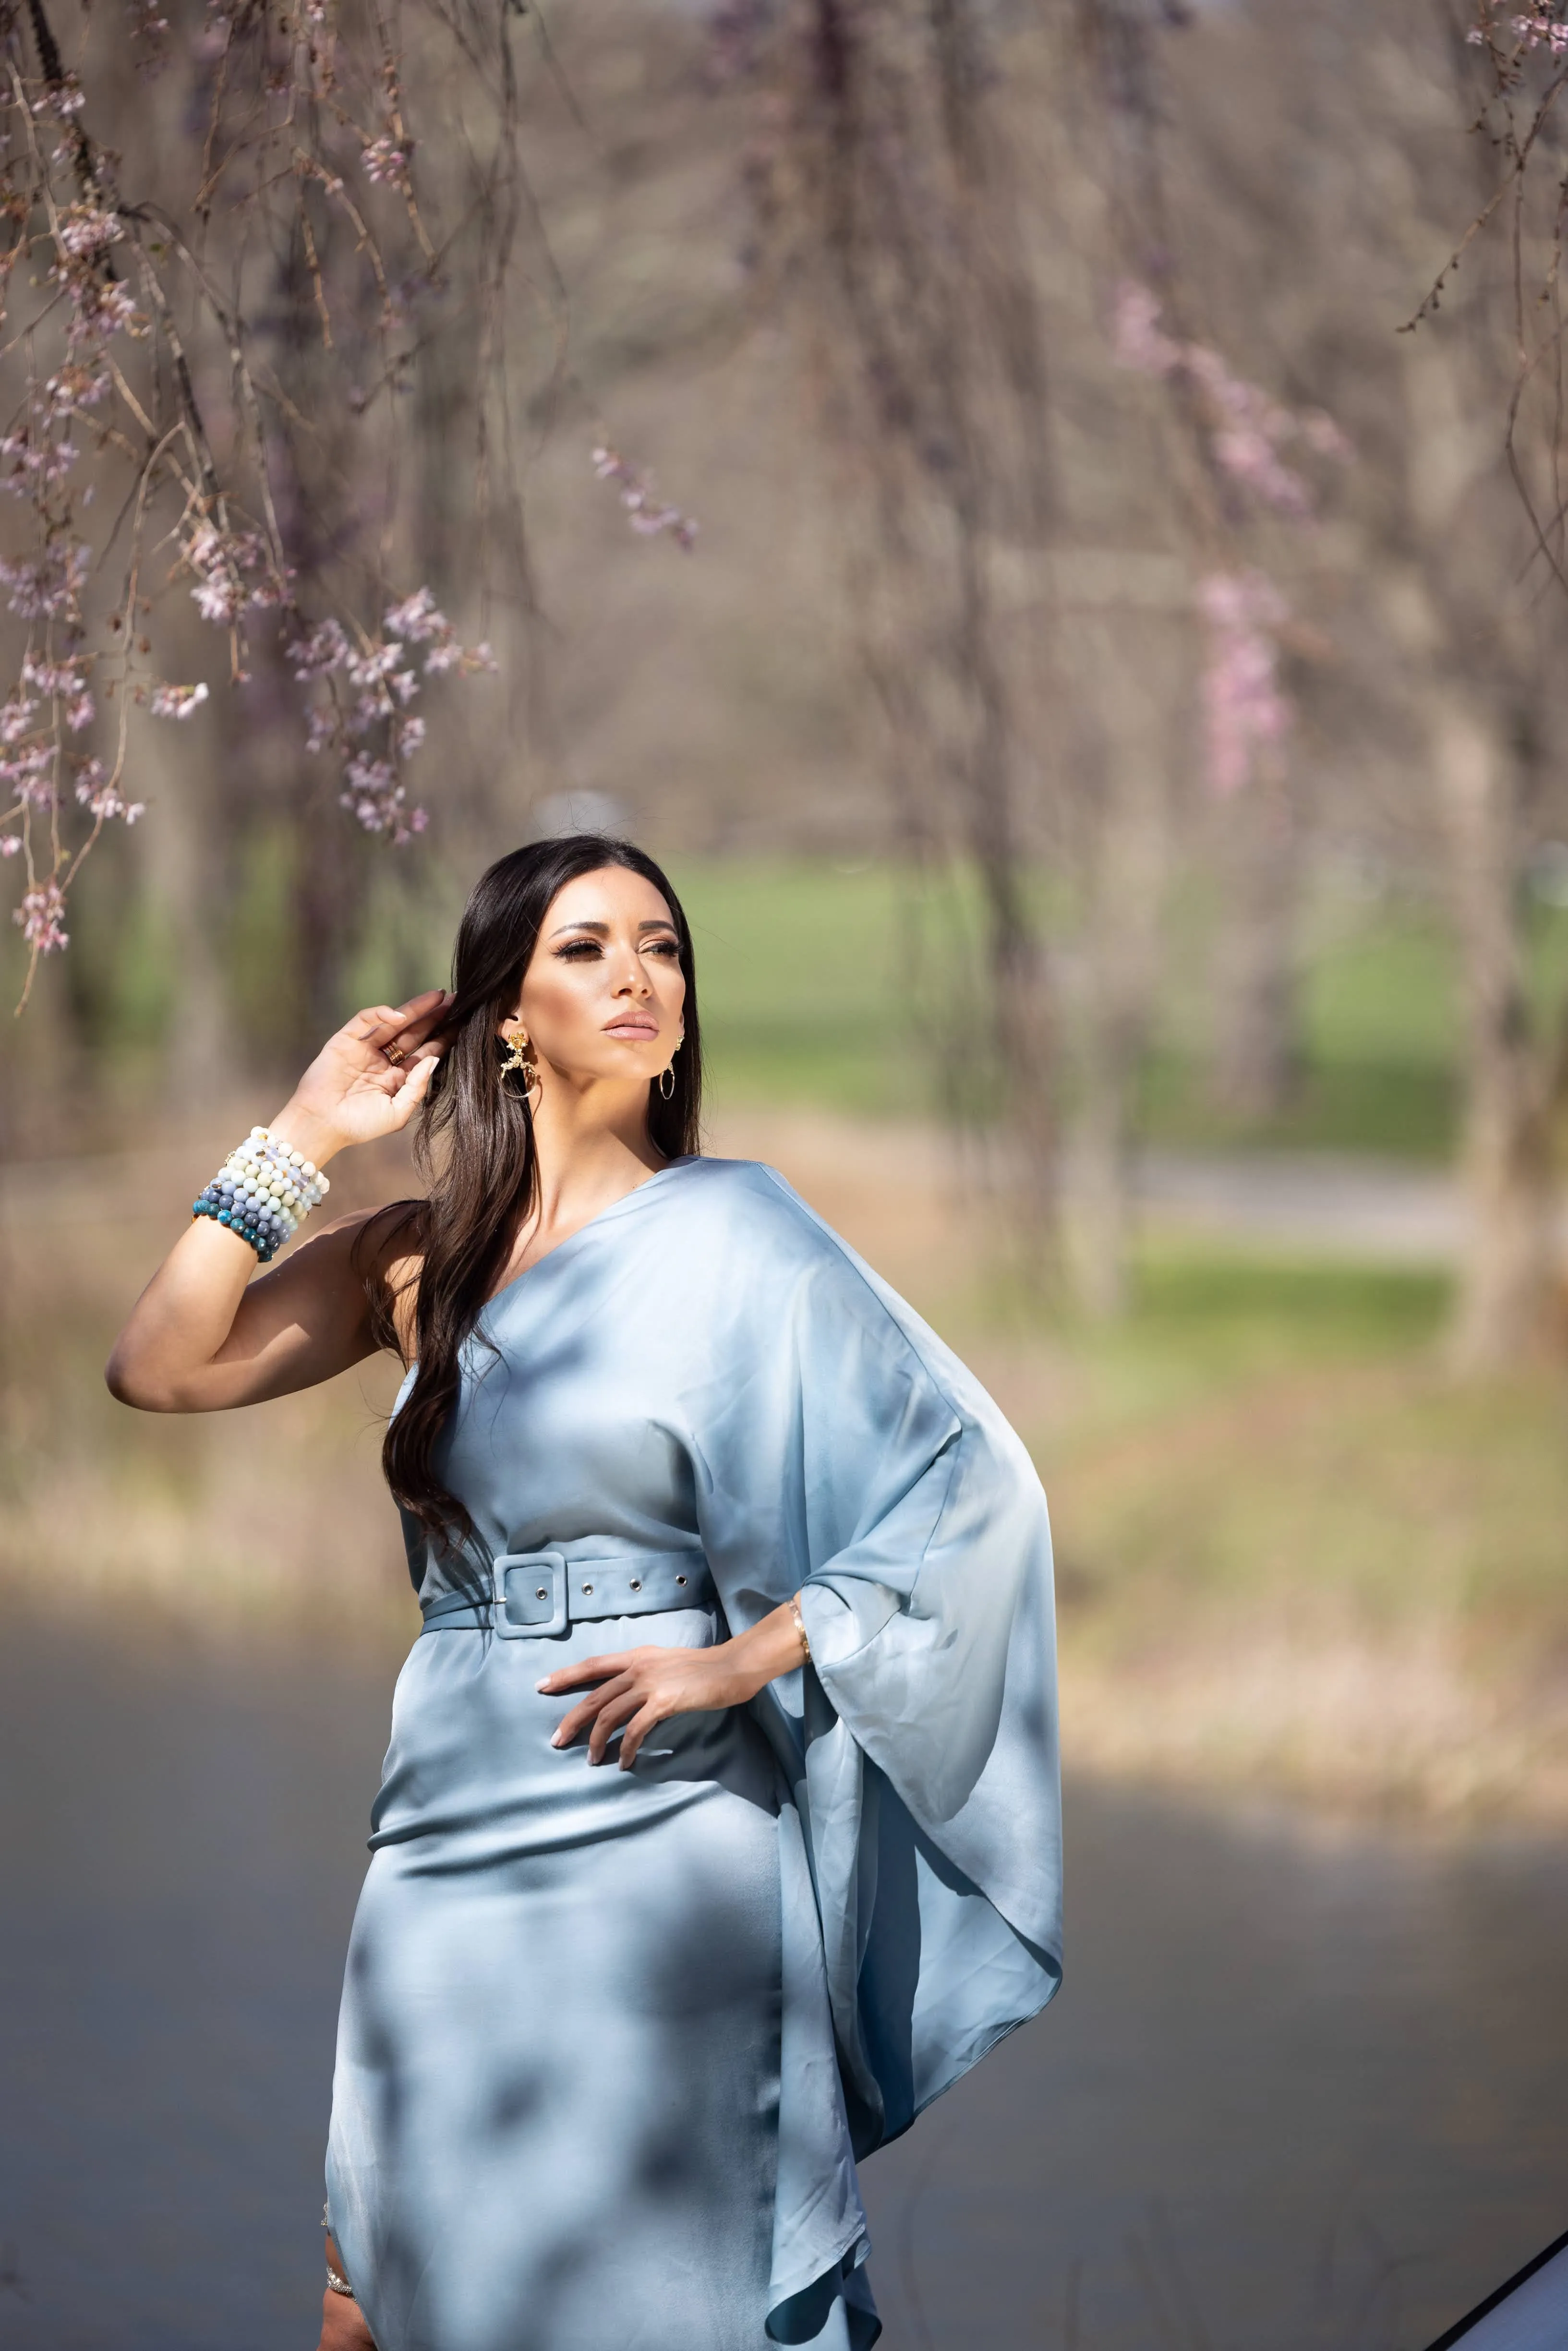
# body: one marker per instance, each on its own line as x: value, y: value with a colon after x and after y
x: 602, y: 930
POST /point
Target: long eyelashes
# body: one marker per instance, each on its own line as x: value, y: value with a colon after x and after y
x: 583, y: 950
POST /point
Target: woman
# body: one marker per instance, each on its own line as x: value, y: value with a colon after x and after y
x: 718, y: 1831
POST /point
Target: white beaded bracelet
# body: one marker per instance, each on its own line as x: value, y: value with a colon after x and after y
x: 264, y: 1191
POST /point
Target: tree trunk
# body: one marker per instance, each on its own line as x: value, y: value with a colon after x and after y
x: 1256, y: 1059
x: 186, y: 876
x: 1126, y: 819
x: 1506, y: 1278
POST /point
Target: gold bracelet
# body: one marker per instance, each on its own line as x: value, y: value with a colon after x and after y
x: 801, y: 1628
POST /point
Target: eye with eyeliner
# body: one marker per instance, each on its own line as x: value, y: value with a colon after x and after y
x: 580, y: 950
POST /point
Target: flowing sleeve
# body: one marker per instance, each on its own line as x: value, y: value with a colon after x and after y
x: 867, y: 1469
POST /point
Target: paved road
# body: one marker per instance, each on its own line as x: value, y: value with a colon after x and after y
x: 1321, y: 1200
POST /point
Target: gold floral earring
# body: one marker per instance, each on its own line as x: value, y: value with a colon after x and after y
x: 518, y: 1056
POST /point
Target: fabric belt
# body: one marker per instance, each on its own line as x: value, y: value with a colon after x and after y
x: 536, y: 1593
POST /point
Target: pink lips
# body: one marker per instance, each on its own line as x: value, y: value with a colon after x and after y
x: 631, y: 1028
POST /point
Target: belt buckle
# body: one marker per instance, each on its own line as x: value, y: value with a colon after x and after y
x: 536, y: 1608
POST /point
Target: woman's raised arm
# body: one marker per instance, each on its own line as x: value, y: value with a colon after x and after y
x: 204, y: 1337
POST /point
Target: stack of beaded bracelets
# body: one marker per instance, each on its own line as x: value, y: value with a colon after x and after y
x: 263, y: 1192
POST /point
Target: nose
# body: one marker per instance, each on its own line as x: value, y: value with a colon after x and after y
x: 633, y: 980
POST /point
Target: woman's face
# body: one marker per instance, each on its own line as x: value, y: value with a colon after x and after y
x: 602, y: 995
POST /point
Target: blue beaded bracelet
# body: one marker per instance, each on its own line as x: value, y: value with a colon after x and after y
x: 263, y: 1192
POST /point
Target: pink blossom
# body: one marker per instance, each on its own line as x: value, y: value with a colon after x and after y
x: 100, y: 311
x: 1246, y: 429
x: 1243, y: 707
x: 97, y: 792
x: 386, y: 160
x: 46, y: 588
x: 370, y: 669
x: 367, y: 710
x: 222, y: 600
x: 41, y: 464
x: 223, y: 561
x: 30, y: 773
x: 84, y: 232
x: 417, y: 618
x: 1140, y: 340
x: 176, y: 700
x: 76, y: 387
x: 40, y: 917
x: 323, y: 650
x: 1542, y: 27
x: 62, y: 99
x: 1251, y: 459
x: 10, y: 844
x: 638, y: 495
x: 16, y: 715
x: 376, y: 798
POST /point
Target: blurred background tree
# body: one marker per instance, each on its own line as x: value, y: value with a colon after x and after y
x: 1083, y: 546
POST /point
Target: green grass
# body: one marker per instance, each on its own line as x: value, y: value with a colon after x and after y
x: 814, y: 980
x: 1261, y: 1441
x: 798, y: 971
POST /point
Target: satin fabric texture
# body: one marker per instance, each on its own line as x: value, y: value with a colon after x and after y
x: 612, y: 2043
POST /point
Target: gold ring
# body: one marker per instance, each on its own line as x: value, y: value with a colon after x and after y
x: 394, y: 1054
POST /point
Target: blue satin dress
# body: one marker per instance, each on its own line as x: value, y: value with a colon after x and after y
x: 611, y: 2042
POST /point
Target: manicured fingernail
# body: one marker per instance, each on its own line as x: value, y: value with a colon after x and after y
x: 556, y: 1741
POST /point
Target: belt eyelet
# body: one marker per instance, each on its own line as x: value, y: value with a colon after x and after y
x: 636, y: 1583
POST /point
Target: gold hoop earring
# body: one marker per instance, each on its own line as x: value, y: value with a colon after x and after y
x: 666, y: 1082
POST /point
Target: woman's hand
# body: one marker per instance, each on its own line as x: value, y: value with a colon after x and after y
x: 204, y: 1336
x: 642, y: 1687
x: 368, y: 1080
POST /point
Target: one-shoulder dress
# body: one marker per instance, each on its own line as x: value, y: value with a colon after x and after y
x: 612, y: 2042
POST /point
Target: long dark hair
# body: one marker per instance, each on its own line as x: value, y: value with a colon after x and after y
x: 485, y: 1181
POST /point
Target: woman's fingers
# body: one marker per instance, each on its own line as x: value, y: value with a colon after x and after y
x: 636, y: 1730
x: 376, y: 1021
x: 378, y: 1025
x: 587, y: 1708
x: 608, y: 1721
x: 415, y: 1085
x: 418, y: 1018
x: 586, y: 1669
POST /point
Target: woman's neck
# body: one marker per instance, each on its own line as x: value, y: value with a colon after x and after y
x: 589, y: 1153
